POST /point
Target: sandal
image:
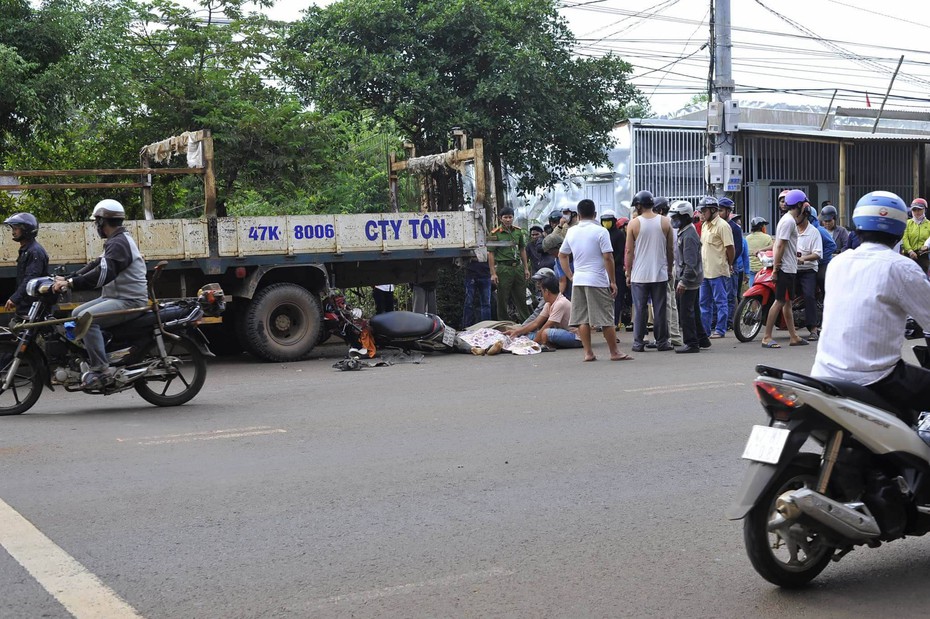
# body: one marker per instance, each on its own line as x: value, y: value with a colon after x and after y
x: 771, y: 344
x: 622, y: 357
x: 813, y: 337
x: 799, y: 343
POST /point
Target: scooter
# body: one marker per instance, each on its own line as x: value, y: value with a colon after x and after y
x: 754, y: 307
x: 868, y: 481
x: 401, y: 330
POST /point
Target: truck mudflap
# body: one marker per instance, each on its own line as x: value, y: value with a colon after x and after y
x: 760, y: 475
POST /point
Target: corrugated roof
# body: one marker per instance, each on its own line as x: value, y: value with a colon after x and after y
x: 788, y: 130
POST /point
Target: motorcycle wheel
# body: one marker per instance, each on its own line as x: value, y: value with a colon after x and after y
x: 180, y: 387
x: 26, y: 388
x: 749, y: 319
x: 789, y: 556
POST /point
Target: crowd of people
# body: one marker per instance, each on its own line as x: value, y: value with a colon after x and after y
x: 676, y: 269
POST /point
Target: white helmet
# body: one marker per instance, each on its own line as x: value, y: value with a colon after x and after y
x: 683, y: 208
x: 109, y: 209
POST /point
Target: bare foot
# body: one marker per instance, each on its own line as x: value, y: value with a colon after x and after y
x: 590, y: 358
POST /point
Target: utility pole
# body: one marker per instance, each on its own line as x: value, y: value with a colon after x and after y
x: 724, y: 169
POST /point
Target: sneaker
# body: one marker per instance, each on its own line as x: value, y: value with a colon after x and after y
x: 651, y: 344
x: 665, y: 348
x: 687, y: 349
x: 638, y: 348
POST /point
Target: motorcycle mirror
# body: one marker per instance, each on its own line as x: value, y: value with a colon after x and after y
x: 82, y: 325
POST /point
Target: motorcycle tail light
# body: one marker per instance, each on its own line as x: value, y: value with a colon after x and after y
x: 778, y: 401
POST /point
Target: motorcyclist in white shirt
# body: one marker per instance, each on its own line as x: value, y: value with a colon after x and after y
x: 870, y: 292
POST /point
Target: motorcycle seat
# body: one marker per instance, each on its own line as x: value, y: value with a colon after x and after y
x: 146, y: 320
x: 402, y: 324
x: 862, y: 394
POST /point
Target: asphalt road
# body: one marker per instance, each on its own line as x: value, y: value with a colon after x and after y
x: 460, y: 487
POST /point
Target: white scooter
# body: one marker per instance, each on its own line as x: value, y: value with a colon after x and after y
x: 867, y: 483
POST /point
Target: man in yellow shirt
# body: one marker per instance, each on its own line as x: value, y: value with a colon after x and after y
x: 717, y: 254
x: 757, y: 240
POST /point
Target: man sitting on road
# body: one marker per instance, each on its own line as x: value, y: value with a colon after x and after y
x: 120, y: 272
x: 550, y: 328
x: 884, y: 288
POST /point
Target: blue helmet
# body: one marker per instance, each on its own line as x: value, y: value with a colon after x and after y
x: 725, y: 203
x: 881, y: 211
x: 795, y: 197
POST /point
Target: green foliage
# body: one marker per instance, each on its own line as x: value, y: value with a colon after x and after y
x: 503, y: 71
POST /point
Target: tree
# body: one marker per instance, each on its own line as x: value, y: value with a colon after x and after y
x: 502, y: 70
x: 34, y: 43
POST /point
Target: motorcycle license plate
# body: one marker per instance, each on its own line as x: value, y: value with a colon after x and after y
x: 765, y: 444
x: 448, y: 337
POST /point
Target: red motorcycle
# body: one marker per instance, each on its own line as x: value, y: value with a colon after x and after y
x: 753, y: 310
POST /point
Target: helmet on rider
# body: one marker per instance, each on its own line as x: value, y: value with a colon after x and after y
x: 661, y: 205
x: 553, y: 241
x: 555, y: 217
x: 726, y: 203
x: 109, y: 209
x: 881, y: 211
x: 26, y: 222
x: 681, y: 213
x: 644, y: 199
x: 756, y: 223
x: 795, y: 199
x: 107, y: 212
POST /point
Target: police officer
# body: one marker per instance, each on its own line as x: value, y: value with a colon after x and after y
x: 32, y: 261
x: 509, y: 267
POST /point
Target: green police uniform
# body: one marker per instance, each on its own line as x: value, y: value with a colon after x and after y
x: 511, y: 275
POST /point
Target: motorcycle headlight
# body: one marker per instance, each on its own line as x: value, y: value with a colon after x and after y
x: 39, y: 286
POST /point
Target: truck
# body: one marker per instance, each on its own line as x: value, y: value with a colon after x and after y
x: 274, y: 270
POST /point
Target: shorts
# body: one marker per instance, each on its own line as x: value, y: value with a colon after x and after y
x: 784, y: 285
x: 592, y: 305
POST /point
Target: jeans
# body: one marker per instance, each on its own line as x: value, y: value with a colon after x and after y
x: 752, y: 278
x: 733, y: 294
x: 93, y: 341
x: 689, y: 314
x: 562, y: 338
x: 480, y: 286
x: 807, y: 282
x: 658, y: 293
x: 714, y: 304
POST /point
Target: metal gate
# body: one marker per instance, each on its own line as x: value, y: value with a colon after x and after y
x: 669, y: 162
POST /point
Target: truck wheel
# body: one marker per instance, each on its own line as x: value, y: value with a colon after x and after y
x: 281, y: 323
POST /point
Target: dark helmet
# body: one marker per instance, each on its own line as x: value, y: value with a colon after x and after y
x: 725, y: 203
x: 26, y: 221
x: 828, y: 213
x: 661, y: 205
x: 644, y: 198
x: 555, y: 217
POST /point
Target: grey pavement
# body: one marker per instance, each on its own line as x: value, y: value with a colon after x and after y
x: 460, y: 487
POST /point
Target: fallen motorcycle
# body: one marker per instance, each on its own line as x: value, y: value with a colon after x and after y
x: 159, y: 350
x: 867, y: 482
x: 753, y: 309
x: 402, y: 330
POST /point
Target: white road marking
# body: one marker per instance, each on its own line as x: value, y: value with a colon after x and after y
x: 79, y: 591
x: 659, y: 387
x: 446, y: 581
x: 210, y: 435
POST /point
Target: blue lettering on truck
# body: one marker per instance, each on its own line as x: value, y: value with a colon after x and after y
x: 389, y: 229
x: 264, y: 233
x: 318, y: 231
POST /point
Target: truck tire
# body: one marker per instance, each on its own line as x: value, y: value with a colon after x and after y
x: 282, y: 322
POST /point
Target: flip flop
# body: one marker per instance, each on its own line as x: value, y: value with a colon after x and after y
x: 622, y: 357
x: 772, y: 344
x: 799, y: 343
x: 589, y: 360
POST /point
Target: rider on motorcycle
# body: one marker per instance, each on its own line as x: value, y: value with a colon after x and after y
x: 120, y: 272
x: 31, y: 262
x: 870, y: 294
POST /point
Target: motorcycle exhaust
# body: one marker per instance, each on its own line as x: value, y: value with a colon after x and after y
x: 851, y: 520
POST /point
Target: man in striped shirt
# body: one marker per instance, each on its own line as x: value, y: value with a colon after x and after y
x: 870, y: 293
